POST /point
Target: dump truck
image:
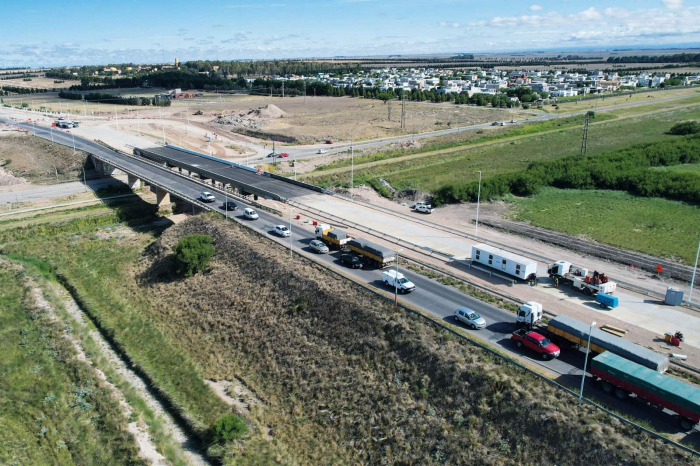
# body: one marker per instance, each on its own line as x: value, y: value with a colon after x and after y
x: 333, y: 238
x: 581, y: 279
x: 374, y: 254
x: 568, y: 332
x: 624, y: 378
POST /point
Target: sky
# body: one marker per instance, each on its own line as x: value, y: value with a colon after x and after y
x: 77, y: 32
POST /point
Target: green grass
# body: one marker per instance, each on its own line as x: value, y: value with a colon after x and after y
x: 687, y: 168
x: 432, y: 172
x: 650, y: 225
x: 470, y: 138
x: 94, y: 268
x: 53, y: 409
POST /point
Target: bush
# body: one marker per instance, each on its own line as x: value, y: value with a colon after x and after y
x: 229, y: 427
x: 192, y: 254
x: 684, y: 128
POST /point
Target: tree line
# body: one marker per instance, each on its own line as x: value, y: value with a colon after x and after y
x: 630, y: 169
x: 21, y: 90
x: 675, y: 58
x: 114, y: 99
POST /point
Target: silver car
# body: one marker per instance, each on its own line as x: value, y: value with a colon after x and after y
x: 469, y: 317
x: 318, y: 246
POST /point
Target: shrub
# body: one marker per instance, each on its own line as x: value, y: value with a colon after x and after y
x: 192, y: 254
x: 684, y: 128
x: 229, y: 427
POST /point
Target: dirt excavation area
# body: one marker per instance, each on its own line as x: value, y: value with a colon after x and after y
x: 341, y: 375
x: 25, y: 158
x: 317, y: 119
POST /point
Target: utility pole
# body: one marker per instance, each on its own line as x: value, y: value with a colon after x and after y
x: 305, y: 91
x: 352, y: 168
x: 283, y: 90
x: 584, y: 141
x: 403, y: 110
x: 163, y: 127
x: 389, y: 109
x: 115, y: 116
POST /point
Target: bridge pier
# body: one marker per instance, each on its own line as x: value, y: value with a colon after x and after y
x: 163, y: 199
x: 133, y: 182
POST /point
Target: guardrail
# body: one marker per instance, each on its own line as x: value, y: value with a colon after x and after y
x: 544, y: 259
x: 195, y: 180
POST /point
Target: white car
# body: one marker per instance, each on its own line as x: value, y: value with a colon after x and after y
x: 281, y: 230
x: 469, y: 317
x: 250, y: 214
x: 415, y: 205
x: 321, y: 151
x: 207, y: 197
x: 318, y: 247
x: 513, y: 121
x: 397, y: 281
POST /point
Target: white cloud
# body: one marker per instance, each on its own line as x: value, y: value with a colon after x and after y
x: 590, y: 14
x: 616, y: 12
x: 535, y: 7
x: 450, y: 25
x: 673, y: 4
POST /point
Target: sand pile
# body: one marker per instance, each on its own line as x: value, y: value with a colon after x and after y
x: 7, y: 178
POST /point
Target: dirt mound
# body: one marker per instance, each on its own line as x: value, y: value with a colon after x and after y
x: 38, y: 159
x: 266, y: 111
x: 7, y: 178
x: 346, y: 377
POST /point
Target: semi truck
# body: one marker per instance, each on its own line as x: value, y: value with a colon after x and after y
x: 566, y: 331
x: 581, y: 279
x: 333, y: 238
x: 374, y: 254
x: 505, y: 262
x: 624, y: 378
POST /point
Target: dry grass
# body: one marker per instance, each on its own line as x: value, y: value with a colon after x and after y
x: 40, y: 158
x: 345, y: 379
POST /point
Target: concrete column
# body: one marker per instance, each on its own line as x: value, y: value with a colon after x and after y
x: 134, y: 182
x: 162, y: 199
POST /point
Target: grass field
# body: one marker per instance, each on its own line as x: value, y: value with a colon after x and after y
x: 689, y: 168
x: 592, y: 104
x: 650, y: 225
x: 53, y: 408
x: 434, y: 171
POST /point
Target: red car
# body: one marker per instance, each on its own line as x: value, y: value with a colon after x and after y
x: 329, y: 142
x: 284, y: 154
x: 536, y: 342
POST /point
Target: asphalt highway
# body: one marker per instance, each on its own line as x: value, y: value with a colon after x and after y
x: 430, y: 295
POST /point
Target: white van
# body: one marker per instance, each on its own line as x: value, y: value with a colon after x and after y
x: 250, y: 214
x: 397, y: 281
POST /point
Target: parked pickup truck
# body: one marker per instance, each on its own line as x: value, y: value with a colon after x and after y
x: 425, y: 208
x: 397, y: 281
x: 536, y: 343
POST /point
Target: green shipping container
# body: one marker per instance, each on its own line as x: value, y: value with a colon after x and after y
x: 660, y: 385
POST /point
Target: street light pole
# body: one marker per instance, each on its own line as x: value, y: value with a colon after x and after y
x: 692, y: 280
x: 352, y: 168
x: 478, y: 201
x: 396, y: 282
x: 585, y: 362
x: 290, y: 233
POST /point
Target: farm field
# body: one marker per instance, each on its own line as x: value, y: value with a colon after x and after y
x: 653, y: 226
x: 39, y: 83
x: 434, y: 171
x: 315, y: 384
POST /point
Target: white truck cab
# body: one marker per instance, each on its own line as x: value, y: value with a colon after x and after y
x: 530, y: 313
x: 320, y: 229
x: 398, y: 281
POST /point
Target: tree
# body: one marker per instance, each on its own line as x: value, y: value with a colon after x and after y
x: 193, y: 253
x: 685, y: 127
x: 229, y: 427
